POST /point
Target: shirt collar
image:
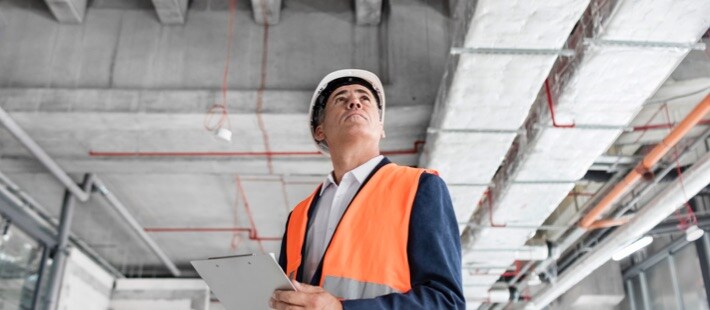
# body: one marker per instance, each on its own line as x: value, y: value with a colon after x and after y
x: 360, y: 173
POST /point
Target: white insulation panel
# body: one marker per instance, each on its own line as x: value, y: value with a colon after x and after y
x: 465, y: 200
x: 563, y: 154
x: 494, y: 91
x: 522, y: 205
x: 612, y: 83
x: 681, y: 21
x: 467, y: 157
x: 522, y: 23
x: 607, y: 88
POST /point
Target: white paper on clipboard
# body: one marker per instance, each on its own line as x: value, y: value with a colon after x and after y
x: 243, y: 281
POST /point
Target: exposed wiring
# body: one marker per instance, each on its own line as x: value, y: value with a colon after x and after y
x: 488, y: 196
x: 690, y: 218
x: 665, y: 100
x: 551, y: 106
x: 249, y: 214
x: 219, y: 110
x: 285, y: 194
x: 262, y: 86
x: 649, y: 121
x: 236, y: 239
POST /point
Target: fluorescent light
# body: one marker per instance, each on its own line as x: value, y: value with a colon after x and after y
x: 693, y: 233
x: 631, y: 248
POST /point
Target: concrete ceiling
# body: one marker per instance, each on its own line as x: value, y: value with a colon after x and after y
x: 102, y: 95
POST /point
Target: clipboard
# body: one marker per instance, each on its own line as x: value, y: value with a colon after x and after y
x: 243, y: 281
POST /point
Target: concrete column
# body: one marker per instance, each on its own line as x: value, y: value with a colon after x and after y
x: 68, y: 11
x: 266, y: 11
x: 171, y: 12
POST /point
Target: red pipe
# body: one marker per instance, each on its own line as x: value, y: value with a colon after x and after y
x: 268, y: 154
x: 515, y: 272
x: 552, y: 108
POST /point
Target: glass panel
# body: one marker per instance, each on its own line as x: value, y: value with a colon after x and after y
x: 690, y: 280
x: 19, y: 261
x: 660, y: 288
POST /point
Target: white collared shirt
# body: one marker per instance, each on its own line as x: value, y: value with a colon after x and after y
x: 333, y: 201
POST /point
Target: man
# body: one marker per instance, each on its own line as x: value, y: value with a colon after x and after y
x: 374, y: 235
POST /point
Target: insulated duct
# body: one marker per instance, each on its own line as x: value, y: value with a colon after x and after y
x: 662, y: 206
x: 526, y: 253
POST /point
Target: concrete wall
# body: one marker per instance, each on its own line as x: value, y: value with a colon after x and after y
x: 85, y: 284
x: 130, y: 49
x: 152, y: 294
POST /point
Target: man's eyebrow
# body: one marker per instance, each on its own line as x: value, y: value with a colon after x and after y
x: 340, y: 93
x: 366, y: 92
x: 357, y: 90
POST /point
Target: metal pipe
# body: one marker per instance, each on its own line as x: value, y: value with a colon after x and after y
x: 136, y: 227
x: 578, y: 232
x: 645, y: 44
x: 61, y: 252
x: 512, y: 51
x: 663, y: 205
x: 647, y: 163
x: 11, y: 191
x: 42, y: 156
x: 528, y: 253
x: 606, y: 223
x: 36, y: 304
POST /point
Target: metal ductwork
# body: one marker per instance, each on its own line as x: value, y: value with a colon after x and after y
x: 662, y: 206
x: 526, y: 253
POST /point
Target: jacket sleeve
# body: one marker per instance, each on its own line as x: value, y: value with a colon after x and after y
x: 282, y: 255
x: 434, y: 252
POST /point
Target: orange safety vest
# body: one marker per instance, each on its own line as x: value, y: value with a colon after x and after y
x: 367, y: 255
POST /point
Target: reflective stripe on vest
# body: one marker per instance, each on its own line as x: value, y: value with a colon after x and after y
x: 354, y: 289
x: 367, y: 255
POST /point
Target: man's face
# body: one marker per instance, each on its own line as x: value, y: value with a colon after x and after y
x: 350, y: 113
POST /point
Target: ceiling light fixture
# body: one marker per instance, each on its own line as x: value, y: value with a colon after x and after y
x: 631, y: 248
x: 534, y: 280
x: 693, y: 233
x: 224, y: 134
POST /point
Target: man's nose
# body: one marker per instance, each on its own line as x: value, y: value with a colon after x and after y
x: 354, y: 103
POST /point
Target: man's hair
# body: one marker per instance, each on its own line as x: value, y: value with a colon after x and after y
x: 319, y: 107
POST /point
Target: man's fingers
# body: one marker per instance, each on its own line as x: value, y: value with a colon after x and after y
x: 290, y: 297
x: 307, y: 288
x: 278, y: 305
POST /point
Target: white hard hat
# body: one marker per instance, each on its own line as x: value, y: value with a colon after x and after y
x: 334, y: 80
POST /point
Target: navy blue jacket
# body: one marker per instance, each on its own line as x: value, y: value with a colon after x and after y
x: 433, y: 250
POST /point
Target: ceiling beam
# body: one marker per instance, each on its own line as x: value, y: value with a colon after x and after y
x: 68, y: 11
x: 266, y: 11
x: 368, y: 12
x: 171, y: 12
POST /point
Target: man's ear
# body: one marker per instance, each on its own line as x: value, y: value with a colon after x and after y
x: 382, y: 130
x: 319, y: 134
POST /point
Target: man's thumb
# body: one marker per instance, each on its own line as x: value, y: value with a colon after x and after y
x: 307, y: 288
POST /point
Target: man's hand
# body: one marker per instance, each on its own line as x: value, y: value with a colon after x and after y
x: 305, y: 297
